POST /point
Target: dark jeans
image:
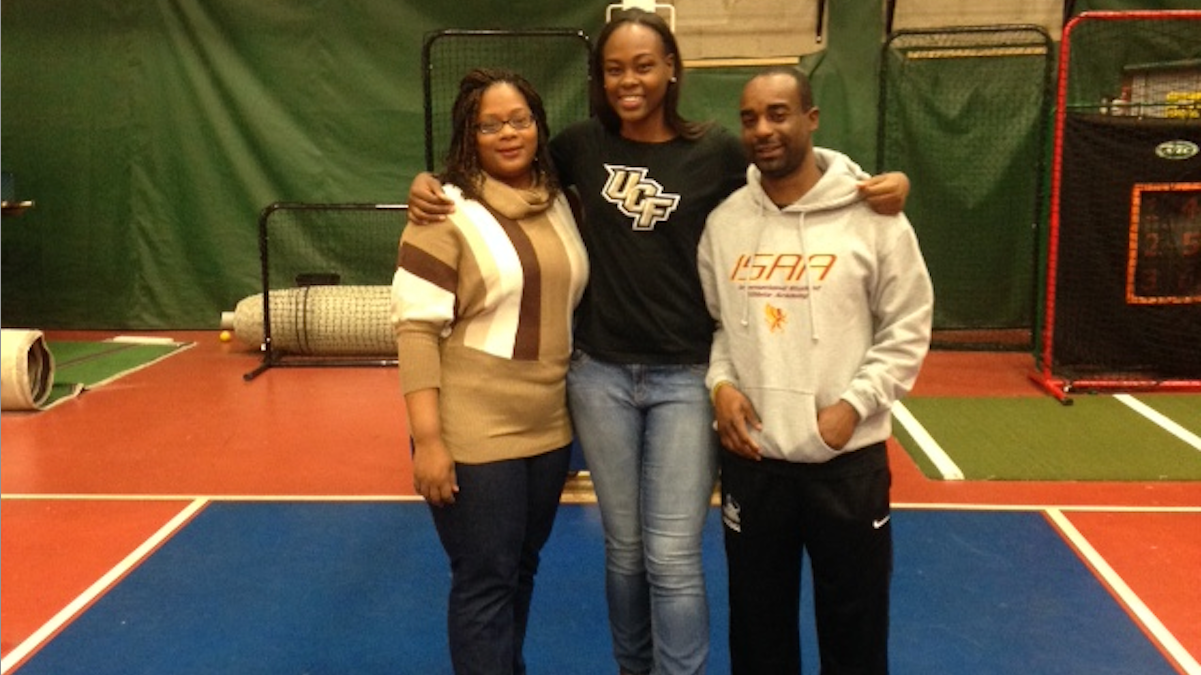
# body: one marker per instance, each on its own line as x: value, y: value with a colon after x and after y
x: 493, y: 535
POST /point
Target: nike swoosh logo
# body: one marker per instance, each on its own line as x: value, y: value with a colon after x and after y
x: 881, y: 522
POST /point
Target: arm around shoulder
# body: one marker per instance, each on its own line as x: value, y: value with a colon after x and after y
x: 427, y: 202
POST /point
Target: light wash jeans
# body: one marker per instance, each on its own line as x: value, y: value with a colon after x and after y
x: 646, y: 432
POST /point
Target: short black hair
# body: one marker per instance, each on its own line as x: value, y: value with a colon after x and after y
x: 803, y: 87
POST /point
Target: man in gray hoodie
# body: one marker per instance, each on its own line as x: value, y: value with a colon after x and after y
x: 824, y: 310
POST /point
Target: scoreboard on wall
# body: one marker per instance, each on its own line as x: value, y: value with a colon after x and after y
x: 1164, y: 258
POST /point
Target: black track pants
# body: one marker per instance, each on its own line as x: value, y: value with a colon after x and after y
x: 837, y: 512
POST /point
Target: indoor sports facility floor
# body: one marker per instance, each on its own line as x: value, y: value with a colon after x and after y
x: 183, y: 520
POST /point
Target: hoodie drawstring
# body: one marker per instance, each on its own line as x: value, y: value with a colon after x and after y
x: 810, y: 297
x: 746, y: 285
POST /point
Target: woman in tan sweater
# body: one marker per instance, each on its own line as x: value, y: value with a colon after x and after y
x: 482, y: 307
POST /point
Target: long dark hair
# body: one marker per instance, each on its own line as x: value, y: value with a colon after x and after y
x: 463, y: 157
x: 671, y: 102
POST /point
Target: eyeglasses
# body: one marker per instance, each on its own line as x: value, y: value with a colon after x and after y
x: 493, y: 126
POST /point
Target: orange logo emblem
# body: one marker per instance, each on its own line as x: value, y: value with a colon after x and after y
x: 775, y: 317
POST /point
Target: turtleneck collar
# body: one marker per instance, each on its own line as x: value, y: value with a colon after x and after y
x: 514, y: 203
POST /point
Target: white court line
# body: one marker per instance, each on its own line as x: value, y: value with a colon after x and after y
x: 1150, y: 622
x: 208, y: 498
x: 942, y: 461
x: 1160, y: 419
x: 1039, y: 508
x: 94, y: 591
x: 914, y: 506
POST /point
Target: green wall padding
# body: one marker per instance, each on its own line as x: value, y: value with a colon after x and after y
x: 151, y: 134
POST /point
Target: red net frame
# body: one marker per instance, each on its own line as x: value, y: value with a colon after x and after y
x: 1045, y: 374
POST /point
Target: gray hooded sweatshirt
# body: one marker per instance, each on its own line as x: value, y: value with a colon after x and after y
x: 821, y: 300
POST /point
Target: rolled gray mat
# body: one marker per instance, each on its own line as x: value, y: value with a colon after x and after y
x: 26, y: 369
x: 319, y: 321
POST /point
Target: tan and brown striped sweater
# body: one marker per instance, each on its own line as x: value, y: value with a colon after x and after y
x: 482, y: 306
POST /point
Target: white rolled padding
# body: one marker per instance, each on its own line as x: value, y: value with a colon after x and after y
x: 27, y: 370
x: 319, y: 321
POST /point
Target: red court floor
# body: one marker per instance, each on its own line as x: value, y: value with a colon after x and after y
x: 91, y: 486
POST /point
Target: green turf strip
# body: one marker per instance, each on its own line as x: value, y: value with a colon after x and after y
x: 1097, y: 438
x: 88, y: 364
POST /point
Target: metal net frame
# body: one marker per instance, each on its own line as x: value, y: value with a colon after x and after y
x: 555, y: 61
x: 326, y: 272
x: 1122, y: 298
x: 964, y: 112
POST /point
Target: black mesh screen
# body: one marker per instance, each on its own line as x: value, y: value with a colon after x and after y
x: 554, y: 61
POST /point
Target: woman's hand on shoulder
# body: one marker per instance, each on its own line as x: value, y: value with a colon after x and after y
x: 427, y: 202
x: 886, y: 194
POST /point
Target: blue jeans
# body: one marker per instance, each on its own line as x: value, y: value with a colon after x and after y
x: 493, y: 535
x: 648, y: 441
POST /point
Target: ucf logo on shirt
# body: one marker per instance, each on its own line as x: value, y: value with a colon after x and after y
x: 639, y: 197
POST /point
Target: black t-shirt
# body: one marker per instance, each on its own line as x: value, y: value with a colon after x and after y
x: 645, y: 206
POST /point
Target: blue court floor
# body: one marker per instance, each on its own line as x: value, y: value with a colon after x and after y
x: 360, y: 587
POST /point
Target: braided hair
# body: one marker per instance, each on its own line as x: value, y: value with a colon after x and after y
x: 463, y: 158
